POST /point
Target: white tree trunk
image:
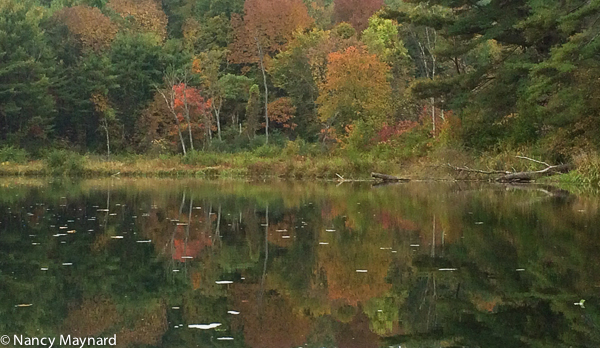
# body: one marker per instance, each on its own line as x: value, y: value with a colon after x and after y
x: 262, y: 68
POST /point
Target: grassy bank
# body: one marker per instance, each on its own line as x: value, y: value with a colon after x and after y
x: 280, y: 163
x: 207, y: 165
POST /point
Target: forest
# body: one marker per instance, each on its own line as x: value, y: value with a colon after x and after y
x: 363, y: 83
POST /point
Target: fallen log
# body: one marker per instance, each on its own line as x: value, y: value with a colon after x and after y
x: 388, y: 178
x: 516, y: 177
x: 532, y: 175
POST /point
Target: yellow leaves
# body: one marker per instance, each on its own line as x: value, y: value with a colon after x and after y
x: 100, y: 102
x: 355, y: 87
x: 147, y: 15
x: 93, y: 29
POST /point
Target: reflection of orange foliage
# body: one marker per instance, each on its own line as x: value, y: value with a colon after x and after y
x: 189, y: 248
x: 272, y: 322
x: 390, y: 220
x: 329, y: 210
x: 91, y: 318
x: 196, y: 280
x: 95, y: 317
x: 146, y: 332
x: 277, y: 235
x: 357, y: 334
x: 340, y: 262
x: 485, y: 305
x: 355, y: 287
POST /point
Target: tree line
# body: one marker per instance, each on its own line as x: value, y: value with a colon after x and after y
x: 172, y: 76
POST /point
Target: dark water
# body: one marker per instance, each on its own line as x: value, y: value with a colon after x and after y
x: 231, y: 264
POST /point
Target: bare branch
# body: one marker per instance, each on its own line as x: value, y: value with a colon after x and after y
x: 485, y: 172
x: 534, y: 160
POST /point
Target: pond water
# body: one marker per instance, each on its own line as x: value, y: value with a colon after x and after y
x: 187, y: 263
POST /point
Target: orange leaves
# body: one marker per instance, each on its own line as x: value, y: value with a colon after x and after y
x: 281, y: 112
x: 356, y: 12
x: 147, y: 15
x: 93, y: 29
x: 270, y: 24
x: 387, y: 132
x: 355, y: 88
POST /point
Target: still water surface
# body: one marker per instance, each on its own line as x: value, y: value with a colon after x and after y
x: 186, y: 263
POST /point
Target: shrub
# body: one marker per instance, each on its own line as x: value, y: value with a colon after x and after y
x: 63, y: 162
x: 267, y: 151
x: 201, y: 158
x: 292, y: 148
x: 361, y: 136
x: 12, y: 155
x: 588, y: 169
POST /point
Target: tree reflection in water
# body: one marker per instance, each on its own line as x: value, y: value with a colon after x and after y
x: 286, y: 265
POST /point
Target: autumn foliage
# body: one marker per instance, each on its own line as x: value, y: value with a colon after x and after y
x: 147, y: 15
x: 268, y: 23
x: 282, y: 112
x: 356, y: 12
x: 356, y: 87
x: 389, y: 132
x: 190, y: 96
x: 92, y: 29
x: 191, y: 106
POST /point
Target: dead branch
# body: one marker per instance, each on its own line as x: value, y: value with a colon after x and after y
x: 534, y: 160
x: 385, y: 177
x: 485, y: 172
x: 532, y: 175
x: 514, y: 176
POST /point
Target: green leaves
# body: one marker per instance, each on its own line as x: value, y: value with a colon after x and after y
x: 24, y: 72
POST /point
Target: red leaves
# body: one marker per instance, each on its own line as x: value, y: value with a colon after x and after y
x: 390, y: 132
x: 190, y: 97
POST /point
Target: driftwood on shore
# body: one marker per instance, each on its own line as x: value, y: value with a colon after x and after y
x: 388, y: 178
x: 526, y: 176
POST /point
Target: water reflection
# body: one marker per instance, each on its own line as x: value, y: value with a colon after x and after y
x: 185, y: 263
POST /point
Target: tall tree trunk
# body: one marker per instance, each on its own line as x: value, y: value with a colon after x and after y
x: 171, y: 107
x: 261, y: 56
x: 264, y: 273
x: 218, y: 116
x: 107, y: 138
x: 433, y: 114
x: 187, y: 114
x: 181, y: 136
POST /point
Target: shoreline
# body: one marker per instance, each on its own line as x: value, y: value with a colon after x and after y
x: 243, y: 166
